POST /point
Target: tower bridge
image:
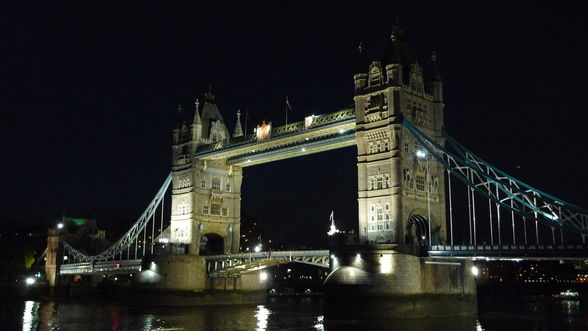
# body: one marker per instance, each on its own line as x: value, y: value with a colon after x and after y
x: 408, y: 168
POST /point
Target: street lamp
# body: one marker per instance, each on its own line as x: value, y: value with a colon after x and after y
x: 423, y: 155
x: 60, y: 226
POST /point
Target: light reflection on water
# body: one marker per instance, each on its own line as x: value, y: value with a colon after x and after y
x: 276, y: 315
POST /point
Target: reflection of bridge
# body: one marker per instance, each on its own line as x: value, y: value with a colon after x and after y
x: 418, y: 190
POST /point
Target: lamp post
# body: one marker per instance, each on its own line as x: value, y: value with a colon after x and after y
x: 423, y: 155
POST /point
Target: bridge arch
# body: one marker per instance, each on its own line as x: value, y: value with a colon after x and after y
x: 211, y: 244
x: 417, y: 230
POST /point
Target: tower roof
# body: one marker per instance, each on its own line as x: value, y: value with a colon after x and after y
x: 210, y: 114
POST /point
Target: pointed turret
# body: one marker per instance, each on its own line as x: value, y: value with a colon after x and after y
x: 196, y: 128
x: 437, y: 83
x: 176, y: 131
x: 197, y: 119
x: 238, y: 130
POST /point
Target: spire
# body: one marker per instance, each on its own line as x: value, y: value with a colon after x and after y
x: 209, y: 96
x: 333, y: 228
x: 179, y: 117
x: 397, y: 52
x: 362, y: 64
x: 436, y: 74
x: 238, y: 131
x: 196, y: 113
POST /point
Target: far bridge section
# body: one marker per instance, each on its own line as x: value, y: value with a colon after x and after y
x: 511, y: 252
x: 102, y: 268
x: 233, y: 265
x: 314, y: 134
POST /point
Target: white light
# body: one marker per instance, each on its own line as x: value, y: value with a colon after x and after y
x: 475, y: 271
x: 423, y: 237
x: 115, y: 278
x: 358, y: 256
x: 262, y: 276
x: 30, y: 281
x: 306, y: 138
x: 60, y: 225
x: 420, y: 154
x: 249, y: 160
x: 65, y: 258
x: 163, y: 240
x: 303, y: 149
x: 257, y: 248
x: 341, y: 130
x: 332, y: 256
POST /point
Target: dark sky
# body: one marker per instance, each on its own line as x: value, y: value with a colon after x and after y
x: 89, y: 93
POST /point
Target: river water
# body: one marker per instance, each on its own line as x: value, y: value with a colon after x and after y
x: 302, y: 313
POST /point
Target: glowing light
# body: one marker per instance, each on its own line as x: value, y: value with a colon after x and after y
x: 65, y: 258
x: 319, y: 323
x: 163, y: 240
x: 30, y: 281
x: 258, y: 248
x: 333, y: 256
x: 475, y: 271
x: 303, y: 149
x: 358, y: 256
x: 60, y: 225
x: 386, y: 264
x: 421, y: 154
x: 341, y: 130
x: 262, y: 276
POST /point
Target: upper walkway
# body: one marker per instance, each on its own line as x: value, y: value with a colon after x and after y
x: 314, y: 134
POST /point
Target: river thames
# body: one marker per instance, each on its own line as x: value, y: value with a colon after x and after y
x: 531, y: 312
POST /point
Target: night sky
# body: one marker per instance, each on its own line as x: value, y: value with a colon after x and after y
x: 89, y: 96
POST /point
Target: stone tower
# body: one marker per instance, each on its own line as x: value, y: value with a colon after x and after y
x: 206, y: 196
x: 400, y: 187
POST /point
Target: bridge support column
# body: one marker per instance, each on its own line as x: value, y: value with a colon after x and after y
x: 384, y: 282
x: 51, y: 258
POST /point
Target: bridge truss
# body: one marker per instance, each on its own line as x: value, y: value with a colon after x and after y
x: 509, y: 200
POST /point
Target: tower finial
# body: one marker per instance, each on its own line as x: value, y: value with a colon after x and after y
x: 196, y: 113
x: 238, y: 130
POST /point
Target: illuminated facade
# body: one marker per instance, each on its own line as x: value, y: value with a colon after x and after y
x: 206, y: 195
x: 399, y: 186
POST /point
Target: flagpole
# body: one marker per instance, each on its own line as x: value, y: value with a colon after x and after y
x: 246, y: 115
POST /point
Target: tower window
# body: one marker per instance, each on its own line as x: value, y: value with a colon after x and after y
x: 215, y: 209
x: 420, y: 181
x: 216, y: 183
x: 203, y: 184
x: 205, y: 210
x: 228, y: 187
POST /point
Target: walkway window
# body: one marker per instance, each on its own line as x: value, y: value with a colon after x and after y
x: 216, y: 183
x: 204, y: 209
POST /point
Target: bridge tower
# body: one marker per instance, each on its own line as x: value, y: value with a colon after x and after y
x: 400, y: 188
x: 206, y: 195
